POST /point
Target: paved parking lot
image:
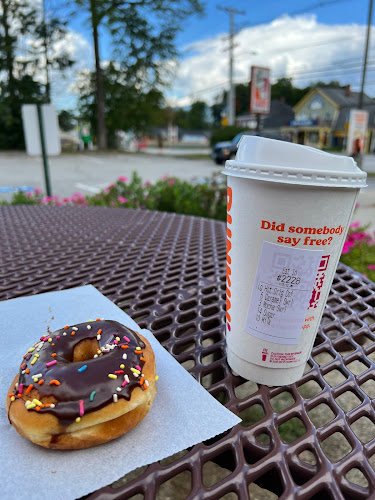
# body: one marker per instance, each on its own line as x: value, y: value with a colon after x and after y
x: 90, y: 172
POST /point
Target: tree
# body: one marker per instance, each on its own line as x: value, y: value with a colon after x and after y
x: 24, y: 90
x: 242, y: 98
x: 67, y: 120
x: 283, y: 89
x: 48, y: 32
x: 20, y: 20
x: 198, y: 115
x: 143, y: 34
x: 17, y: 18
x: 128, y: 107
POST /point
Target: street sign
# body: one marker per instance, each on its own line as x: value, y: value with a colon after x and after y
x: 358, y: 120
x: 32, y: 130
x: 260, y: 90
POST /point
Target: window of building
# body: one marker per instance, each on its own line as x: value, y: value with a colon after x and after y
x: 313, y: 137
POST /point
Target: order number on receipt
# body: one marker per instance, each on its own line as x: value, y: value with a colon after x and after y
x: 284, y: 281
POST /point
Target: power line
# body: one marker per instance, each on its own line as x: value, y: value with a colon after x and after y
x: 317, y: 6
x: 296, y: 12
x: 299, y: 76
x: 341, y: 70
x: 293, y: 48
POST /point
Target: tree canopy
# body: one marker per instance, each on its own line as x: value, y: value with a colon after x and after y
x: 143, y: 36
x: 20, y: 20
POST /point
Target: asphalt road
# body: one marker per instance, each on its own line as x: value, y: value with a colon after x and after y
x: 91, y: 172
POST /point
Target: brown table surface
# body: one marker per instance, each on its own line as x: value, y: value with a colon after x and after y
x: 313, y: 439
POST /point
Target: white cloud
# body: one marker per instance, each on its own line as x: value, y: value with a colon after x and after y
x: 63, y: 87
x: 290, y: 46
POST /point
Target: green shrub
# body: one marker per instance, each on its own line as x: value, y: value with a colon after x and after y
x: 206, y: 198
x: 169, y: 194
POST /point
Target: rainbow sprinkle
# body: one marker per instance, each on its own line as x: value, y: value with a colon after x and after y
x: 46, y: 344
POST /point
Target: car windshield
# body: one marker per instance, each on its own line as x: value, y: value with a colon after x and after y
x: 237, y: 138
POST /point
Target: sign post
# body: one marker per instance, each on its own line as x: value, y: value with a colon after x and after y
x: 260, y: 92
x: 358, y: 120
x: 44, y: 152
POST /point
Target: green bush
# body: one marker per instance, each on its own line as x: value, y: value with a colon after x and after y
x: 206, y: 198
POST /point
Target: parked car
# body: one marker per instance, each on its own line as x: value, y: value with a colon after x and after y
x: 226, y: 150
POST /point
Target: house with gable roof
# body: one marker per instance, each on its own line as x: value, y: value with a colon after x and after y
x: 321, y: 118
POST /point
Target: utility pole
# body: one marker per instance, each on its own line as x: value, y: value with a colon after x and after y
x: 45, y: 53
x: 360, y: 103
x: 231, y: 93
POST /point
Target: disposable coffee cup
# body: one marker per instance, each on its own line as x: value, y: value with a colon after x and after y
x: 288, y: 212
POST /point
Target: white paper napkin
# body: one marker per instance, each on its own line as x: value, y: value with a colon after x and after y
x: 183, y: 413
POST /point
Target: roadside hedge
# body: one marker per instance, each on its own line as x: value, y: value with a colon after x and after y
x: 203, y: 198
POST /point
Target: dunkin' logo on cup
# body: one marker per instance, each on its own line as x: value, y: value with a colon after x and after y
x: 229, y: 258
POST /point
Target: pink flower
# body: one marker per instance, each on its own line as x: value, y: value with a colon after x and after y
x: 355, y: 224
x: 111, y: 186
x: 65, y: 200
x: 358, y: 236
x: 38, y: 191
x: 165, y: 177
x: 29, y: 195
x: 122, y: 178
x: 77, y: 195
x: 356, y: 205
x: 147, y: 183
x: 346, y: 247
x: 371, y: 267
x: 171, y: 181
x: 121, y: 199
x: 46, y: 199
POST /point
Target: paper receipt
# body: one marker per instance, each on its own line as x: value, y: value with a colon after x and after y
x: 282, y: 289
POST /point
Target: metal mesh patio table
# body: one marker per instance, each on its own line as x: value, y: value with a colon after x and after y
x: 314, y: 439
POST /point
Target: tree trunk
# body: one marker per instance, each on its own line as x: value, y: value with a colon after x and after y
x: 100, y: 107
x: 45, y: 51
x: 8, y: 43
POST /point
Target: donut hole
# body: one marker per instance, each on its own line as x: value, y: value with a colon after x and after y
x: 85, y: 350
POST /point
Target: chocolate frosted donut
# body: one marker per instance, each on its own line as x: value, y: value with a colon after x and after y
x: 83, y: 385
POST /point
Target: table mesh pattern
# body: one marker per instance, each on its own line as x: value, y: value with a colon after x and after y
x: 313, y: 439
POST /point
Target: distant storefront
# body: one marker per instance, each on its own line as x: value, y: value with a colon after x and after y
x: 321, y: 118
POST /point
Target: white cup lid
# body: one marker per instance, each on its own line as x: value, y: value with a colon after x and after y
x: 279, y: 161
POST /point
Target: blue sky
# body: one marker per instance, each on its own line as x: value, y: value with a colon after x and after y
x: 215, y: 21
x: 295, y: 38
